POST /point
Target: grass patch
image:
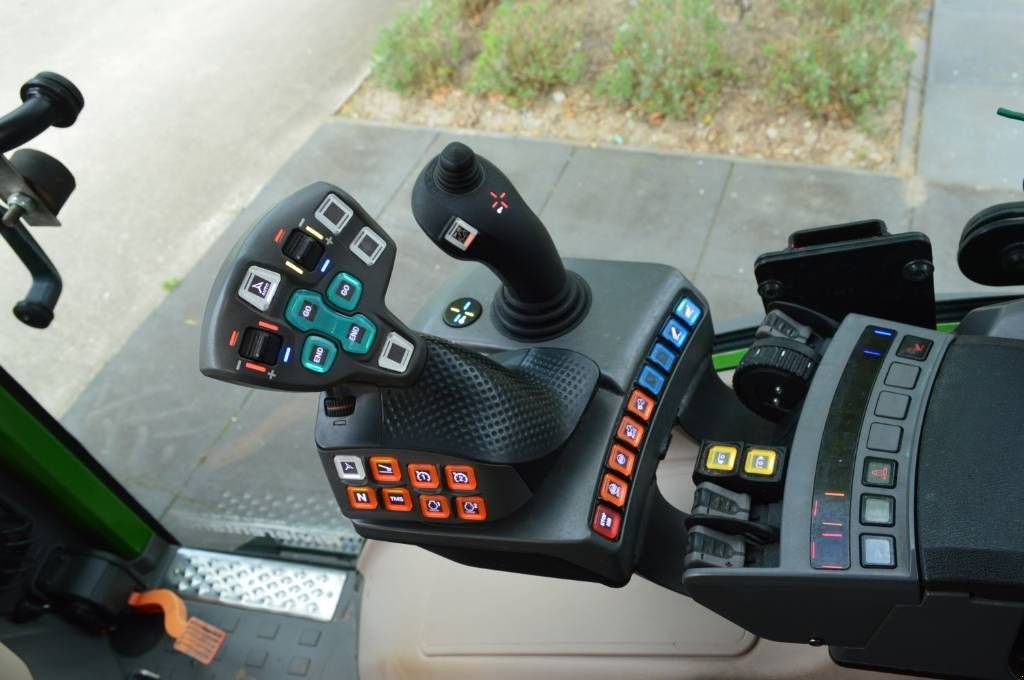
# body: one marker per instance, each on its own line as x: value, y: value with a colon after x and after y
x: 528, y: 49
x: 669, y: 58
x: 170, y: 284
x: 845, y: 59
x: 420, y: 51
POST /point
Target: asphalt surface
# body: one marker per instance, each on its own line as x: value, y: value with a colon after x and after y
x: 190, y: 109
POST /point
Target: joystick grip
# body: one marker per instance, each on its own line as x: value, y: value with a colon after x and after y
x: 471, y: 210
x: 468, y: 405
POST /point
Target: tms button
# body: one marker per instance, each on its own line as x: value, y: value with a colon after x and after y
x: 471, y: 508
x: 397, y: 500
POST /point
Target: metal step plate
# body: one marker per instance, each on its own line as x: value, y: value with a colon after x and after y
x: 256, y: 583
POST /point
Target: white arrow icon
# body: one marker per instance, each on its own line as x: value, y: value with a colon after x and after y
x: 676, y: 333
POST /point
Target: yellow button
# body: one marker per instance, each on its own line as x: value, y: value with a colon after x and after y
x: 760, y: 462
x: 722, y: 458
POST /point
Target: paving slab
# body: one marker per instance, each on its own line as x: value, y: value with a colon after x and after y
x: 764, y: 203
x: 975, y: 66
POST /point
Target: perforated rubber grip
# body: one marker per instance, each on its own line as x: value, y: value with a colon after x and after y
x: 466, y: 404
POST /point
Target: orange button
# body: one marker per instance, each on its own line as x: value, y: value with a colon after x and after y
x: 621, y: 459
x: 640, y: 404
x: 385, y: 469
x: 613, y: 490
x: 629, y: 431
x: 424, y: 476
x: 471, y: 508
x: 362, y: 498
x: 397, y: 500
x: 435, y: 507
x: 460, y: 477
x: 606, y: 522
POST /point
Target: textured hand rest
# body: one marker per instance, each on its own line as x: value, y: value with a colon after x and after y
x: 466, y: 404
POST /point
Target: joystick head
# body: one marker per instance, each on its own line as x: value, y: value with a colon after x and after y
x: 471, y: 210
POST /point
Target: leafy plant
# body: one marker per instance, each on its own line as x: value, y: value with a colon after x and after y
x: 472, y: 8
x: 421, y: 49
x: 528, y: 48
x: 847, y: 58
x: 669, y: 58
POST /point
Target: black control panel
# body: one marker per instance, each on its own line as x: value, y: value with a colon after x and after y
x: 301, y: 301
x: 847, y: 539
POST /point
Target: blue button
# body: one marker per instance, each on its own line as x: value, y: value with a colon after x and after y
x: 662, y: 356
x: 651, y: 380
x: 675, y: 333
x: 345, y: 291
x: 688, y: 311
x: 318, y: 354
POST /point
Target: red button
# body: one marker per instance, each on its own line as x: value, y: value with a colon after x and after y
x: 630, y: 431
x: 613, y: 490
x: 424, y: 476
x: 621, y: 459
x: 362, y: 498
x: 606, y: 522
x: 471, y: 508
x: 460, y: 477
x: 397, y: 500
x: 385, y: 469
x: 641, y: 405
x: 435, y: 507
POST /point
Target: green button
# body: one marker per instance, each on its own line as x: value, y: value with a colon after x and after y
x: 318, y: 354
x: 345, y: 291
x: 356, y: 335
x: 307, y: 312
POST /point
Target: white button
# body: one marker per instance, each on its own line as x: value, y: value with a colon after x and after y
x: 461, y: 234
x: 333, y: 214
x: 368, y: 246
x: 349, y: 467
x: 396, y: 354
x: 258, y: 287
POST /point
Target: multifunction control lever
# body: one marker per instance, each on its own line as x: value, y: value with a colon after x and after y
x: 471, y: 210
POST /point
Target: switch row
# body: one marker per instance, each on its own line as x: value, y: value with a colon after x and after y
x: 422, y: 476
x: 613, y: 486
x: 752, y: 468
x: 400, y: 499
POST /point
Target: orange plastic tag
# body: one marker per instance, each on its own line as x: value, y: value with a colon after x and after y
x: 193, y: 637
x: 200, y: 640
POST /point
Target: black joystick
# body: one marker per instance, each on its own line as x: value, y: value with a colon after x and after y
x: 471, y: 210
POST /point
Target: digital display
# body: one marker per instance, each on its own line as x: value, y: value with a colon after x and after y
x: 833, y: 477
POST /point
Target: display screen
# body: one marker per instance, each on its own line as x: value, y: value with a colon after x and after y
x: 833, y: 477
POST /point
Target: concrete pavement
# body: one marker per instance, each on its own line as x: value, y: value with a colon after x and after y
x: 190, y: 108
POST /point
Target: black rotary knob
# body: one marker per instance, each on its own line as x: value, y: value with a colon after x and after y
x: 773, y: 377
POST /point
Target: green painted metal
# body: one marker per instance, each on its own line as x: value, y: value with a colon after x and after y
x: 29, y: 449
x: 947, y: 327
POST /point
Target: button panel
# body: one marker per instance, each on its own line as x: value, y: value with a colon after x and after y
x: 638, y: 413
x: 306, y: 311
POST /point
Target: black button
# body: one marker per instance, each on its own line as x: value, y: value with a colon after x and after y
x: 877, y: 552
x: 259, y: 345
x: 882, y: 437
x: 892, y: 405
x: 303, y: 249
x: 881, y: 473
x: 877, y: 511
x: 903, y: 376
x: 462, y: 312
x: 913, y: 347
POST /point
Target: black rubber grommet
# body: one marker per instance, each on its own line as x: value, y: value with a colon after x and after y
x: 537, y: 322
x: 67, y: 99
